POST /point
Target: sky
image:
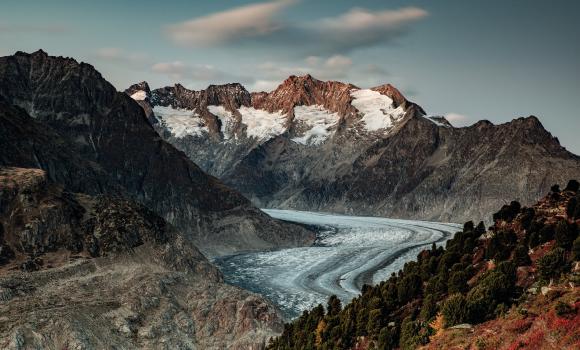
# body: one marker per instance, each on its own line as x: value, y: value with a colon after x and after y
x: 466, y: 60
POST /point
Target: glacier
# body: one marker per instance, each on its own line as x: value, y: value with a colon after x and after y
x: 350, y: 251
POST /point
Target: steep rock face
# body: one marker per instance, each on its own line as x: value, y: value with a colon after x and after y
x: 334, y: 147
x: 108, y: 272
x: 108, y: 129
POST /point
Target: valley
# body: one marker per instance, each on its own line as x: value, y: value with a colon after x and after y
x: 350, y: 251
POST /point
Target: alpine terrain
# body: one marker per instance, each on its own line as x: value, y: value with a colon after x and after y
x: 104, y: 226
x: 331, y: 146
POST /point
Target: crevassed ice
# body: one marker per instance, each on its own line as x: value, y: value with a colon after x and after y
x: 319, y: 122
x: 297, y: 279
x: 139, y: 95
x: 180, y: 122
x: 376, y: 108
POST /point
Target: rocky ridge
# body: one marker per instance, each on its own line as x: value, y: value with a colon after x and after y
x: 331, y: 146
x: 55, y: 103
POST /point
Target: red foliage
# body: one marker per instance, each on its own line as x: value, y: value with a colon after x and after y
x: 520, y: 326
x: 535, y: 340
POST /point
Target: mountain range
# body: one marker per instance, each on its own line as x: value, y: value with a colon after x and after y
x: 105, y: 227
x: 331, y: 146
x: 112, y: 204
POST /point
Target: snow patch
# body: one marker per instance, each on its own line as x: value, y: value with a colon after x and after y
x: 180, y: 122
x: 261, y: 124
x: 376, y: 108
x: 436, y: 120
x: 139, y: 95
x: 320, y: 122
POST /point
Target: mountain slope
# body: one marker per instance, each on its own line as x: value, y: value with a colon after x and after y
x: 99, y: 272
x: 110, y: 131
x: 514, y: 286
x: 330, y: 146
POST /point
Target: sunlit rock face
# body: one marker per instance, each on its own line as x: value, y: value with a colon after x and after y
x: 332, y: 146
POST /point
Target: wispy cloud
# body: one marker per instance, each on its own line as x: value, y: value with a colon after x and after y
x: 334, y: 67
x: 179, y: 71
x: 457, y: 119
x: 16, y: 28
x: 116, y: 54
x: 257, y: 25
x: 252, y: 20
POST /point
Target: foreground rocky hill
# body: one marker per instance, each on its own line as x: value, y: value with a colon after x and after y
x: 100, y: 272
x: 331, y: 146
x: 512, y: 286
x: 62, y: 116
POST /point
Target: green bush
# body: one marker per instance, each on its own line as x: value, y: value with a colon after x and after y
x: 565, y: 234
x: 552, y: 265
x: 508, y: 212
x: 409, y: 288
x: 457, y: 282
x: 388, y: 338
x: 563, y: 309
x: 454, y: 310
x: 521, y: 256
x: 576, y: 249
x: 573, y: 186
x: 429, y: 308
x: 494, y: 287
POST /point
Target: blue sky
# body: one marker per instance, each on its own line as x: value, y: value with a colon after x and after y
x: 469, y: 60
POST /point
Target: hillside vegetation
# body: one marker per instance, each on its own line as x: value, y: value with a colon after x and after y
x: 512, y: 285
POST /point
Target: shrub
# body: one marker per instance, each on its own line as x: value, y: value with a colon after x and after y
x: 429, y: 308
x: 388, y: 338
x: 457, y: 282
x: 547, y: 233
x: 565, y: 234
x: 500, y: 245
x: 555, y: 188
x: 552, y: 265
x: 409, y: 287
x: 521, y: 257
x: 508, y: 212
x: 334, y: 306
x: 573, y: 186
x: 374, y: 323
x: 495, y: 287
x: 527, y: 217
x: 454, y: 310
x: 563, y: 309
x: 576, y: 249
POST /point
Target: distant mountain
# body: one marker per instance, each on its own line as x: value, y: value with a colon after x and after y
x: 104, y: 225
x: 331, y: 146
x: 62, y: 116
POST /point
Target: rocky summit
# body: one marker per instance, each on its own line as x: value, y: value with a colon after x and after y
x: 331, y: 146
x: 62, y: 116
x: 105, y: 227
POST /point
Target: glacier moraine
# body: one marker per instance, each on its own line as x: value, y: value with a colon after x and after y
x: 350, y: 251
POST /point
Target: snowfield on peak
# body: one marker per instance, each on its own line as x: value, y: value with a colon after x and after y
x: 180, y: 122
x: 260, y: 124
x: 139, y: 95
x: 319, y: 122
x: 376, y: 108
